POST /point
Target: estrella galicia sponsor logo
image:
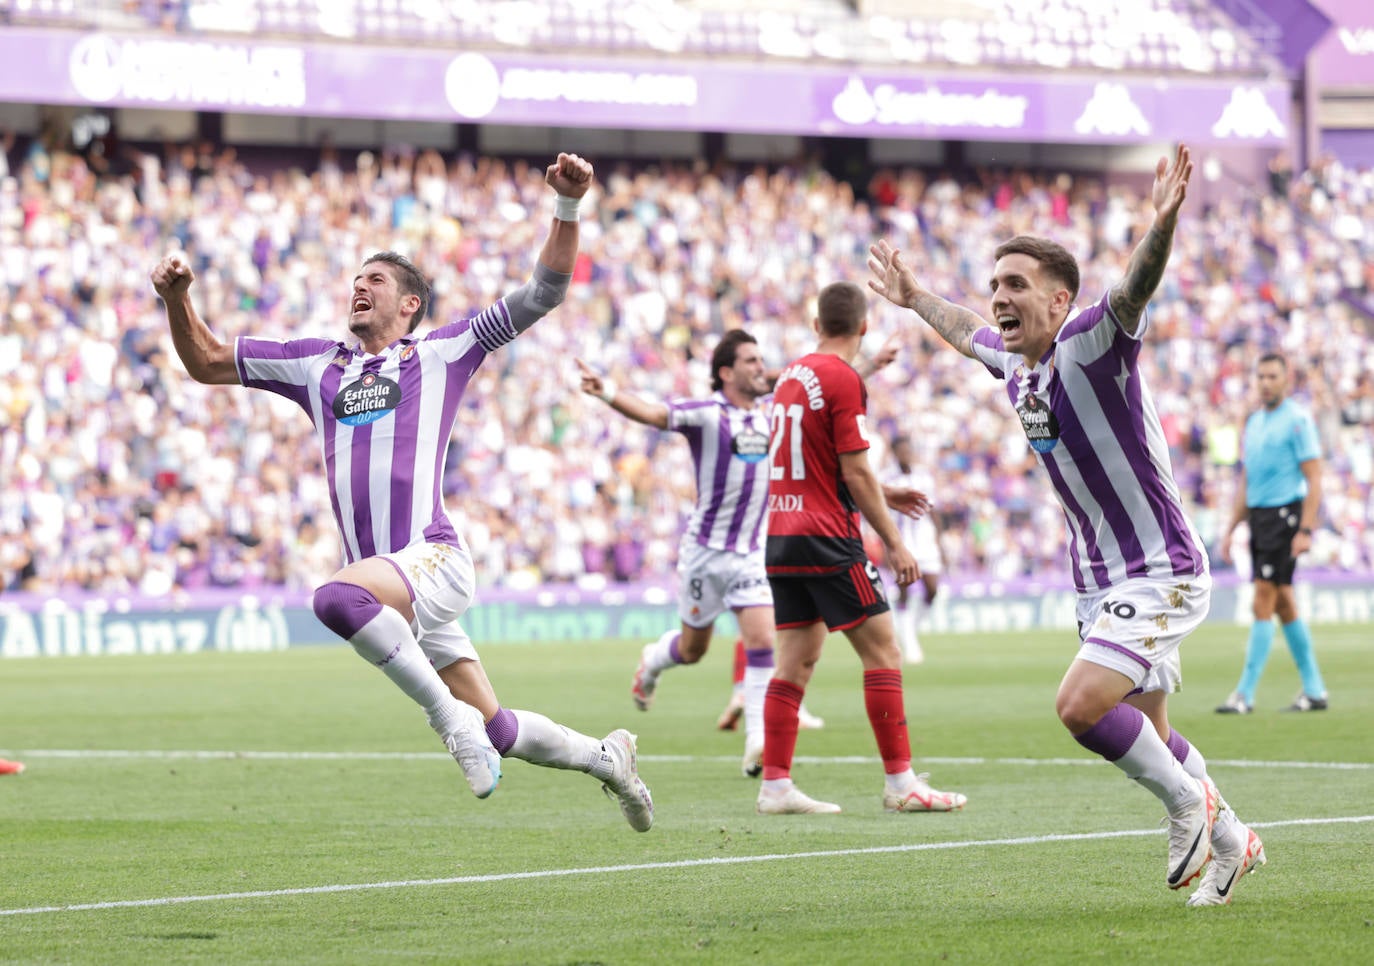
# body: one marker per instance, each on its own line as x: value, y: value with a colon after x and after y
x: 1042, y: 429
x: 367, y: 400
x: 750, y: 446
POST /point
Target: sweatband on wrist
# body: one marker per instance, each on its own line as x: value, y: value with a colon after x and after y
x: 565, y: 208
x: 608, y: 390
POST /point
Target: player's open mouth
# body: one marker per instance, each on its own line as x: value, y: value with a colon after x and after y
x: 361, y: 304
x: 1008, y: 324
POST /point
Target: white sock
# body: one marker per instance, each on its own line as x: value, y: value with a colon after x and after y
x: 543, y: 741
x: 755, y: 688
x: 900, y: 782
x: 660, y: 657
x: 1226, y: 831
x: 1150, y: 763
x: 387, y: 642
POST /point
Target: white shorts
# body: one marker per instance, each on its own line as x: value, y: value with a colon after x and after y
x: 923, y: 542
x: 1136, y: 627
x: 711, y: 582
x: 442, y: 582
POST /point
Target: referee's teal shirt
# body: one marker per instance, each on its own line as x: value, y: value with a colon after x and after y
x: 1276, y: 443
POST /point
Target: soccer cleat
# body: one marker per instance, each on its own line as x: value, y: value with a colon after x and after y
x: 752, y: 765
x: 922, y: 798
x: 624, y: 785
x: 807, y: 721
x: 1190, y: 837
x: 912, y: 653
x: 792, y: 801
x: 1227, y: 867
x: 8, y: 767
x: 472, y: 749
x: 642, y: 690
x: 1235, y: 704
x: 729, y: 718
x: 1303, y: 702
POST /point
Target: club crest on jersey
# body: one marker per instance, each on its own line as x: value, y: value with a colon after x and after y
x: 367, y: 400
x: 1042, y: 429
x: 750, y: 446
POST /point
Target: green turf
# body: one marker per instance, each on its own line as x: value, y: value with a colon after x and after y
x: 712, y: 882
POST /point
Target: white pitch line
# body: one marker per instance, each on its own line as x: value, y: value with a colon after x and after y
x: 211, y: 755
x: 640, y: 867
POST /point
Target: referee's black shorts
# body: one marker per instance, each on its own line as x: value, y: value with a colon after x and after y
x: 843, y: 600
x: 1272, y: 529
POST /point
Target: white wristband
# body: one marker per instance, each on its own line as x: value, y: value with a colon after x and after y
x: 608, y: 391
x: 565, y: 208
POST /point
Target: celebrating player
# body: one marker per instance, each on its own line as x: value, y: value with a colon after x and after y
x: 1140, y: 570
x: 821, y: 577
x: 720, y: 557
x: 383, y: 406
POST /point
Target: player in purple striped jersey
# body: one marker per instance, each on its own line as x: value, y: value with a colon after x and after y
x: 1141, y: 572
x: 720, y: 557
x: 383, y: 406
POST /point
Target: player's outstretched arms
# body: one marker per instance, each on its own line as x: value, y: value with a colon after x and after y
x: 894, y: 281
x: 206, y: 359
x: 1146, y: 267
x: 641, y: 411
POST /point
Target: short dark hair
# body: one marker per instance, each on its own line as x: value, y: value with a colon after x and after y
x: 1273, y: 357
x: 840, y: 309
x: 726, y: 351
x: 1055, y: 260
x: 409, y: 279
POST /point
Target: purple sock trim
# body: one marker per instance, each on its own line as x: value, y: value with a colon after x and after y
x: 1114, y: 732
x: 758, y: 657
x: 674, y: 651
x: 1179, y: 746
x: 503, y: 729
x: 345, y: 608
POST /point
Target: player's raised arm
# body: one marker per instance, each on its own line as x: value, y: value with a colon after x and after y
x: 1146, y: 267
x: 205, y: 357
x: 894, y: 281
x: 570, y: 176
x: 627, y: 404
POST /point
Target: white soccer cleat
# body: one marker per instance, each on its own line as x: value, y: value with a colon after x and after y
x: 642, y: 690
x: 752, y: 764
x: 624, y: 785
x: 792, y: 801
x: 729, y: 718
x: 1235, y: 704
x: 922, y: 798
x: 912, y: 653
x: 1190, y: 837
x: 472, y: 749
x: 807, y: 721
x: 1228, y: 866
x: 1305, y: 702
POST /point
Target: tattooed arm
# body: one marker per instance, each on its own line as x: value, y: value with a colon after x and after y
x: 1129, y: 296
x: 894, y: 281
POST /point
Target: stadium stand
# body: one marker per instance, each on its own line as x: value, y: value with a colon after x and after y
x: 125, y: 475
x: 1180, y: 36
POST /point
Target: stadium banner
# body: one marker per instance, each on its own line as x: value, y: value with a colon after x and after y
x: 1345, y: 56
x: 222, y: 620
x: 434, y: 84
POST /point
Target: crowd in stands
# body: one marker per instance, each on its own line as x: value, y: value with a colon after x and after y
x: 122, y: 475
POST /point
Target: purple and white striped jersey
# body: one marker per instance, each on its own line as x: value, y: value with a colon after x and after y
x: 383, y: 421
x: 1091, y: 420
x: 730, y: 452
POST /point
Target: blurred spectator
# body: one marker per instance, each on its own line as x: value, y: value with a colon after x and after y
x: 121, y: 474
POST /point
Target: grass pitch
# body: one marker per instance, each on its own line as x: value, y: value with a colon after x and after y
x: 292, y: 807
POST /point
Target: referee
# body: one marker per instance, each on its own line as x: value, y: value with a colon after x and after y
x: 1279, y: 495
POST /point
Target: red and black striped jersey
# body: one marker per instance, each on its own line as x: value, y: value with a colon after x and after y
x: 818, y: 412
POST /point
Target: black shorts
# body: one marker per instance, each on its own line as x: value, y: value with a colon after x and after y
x: 1272, y: 529
x: 843, y: 600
